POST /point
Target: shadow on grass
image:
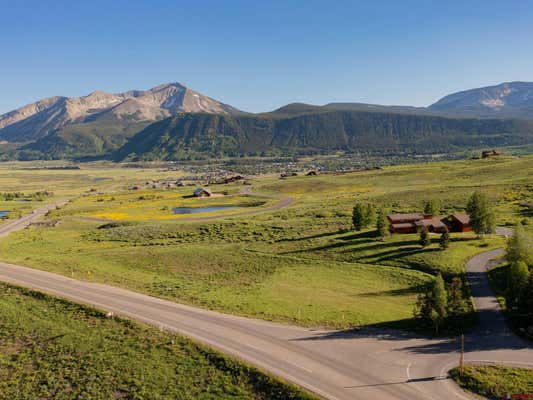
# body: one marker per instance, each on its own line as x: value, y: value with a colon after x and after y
x: 367, y: 237
x: 360, y: 235
x: 397, y: 253
x: 374, y: 244
x: 528, y: 213
x: 413, y: 290
x: 412, y: 338
x: 319, y: 235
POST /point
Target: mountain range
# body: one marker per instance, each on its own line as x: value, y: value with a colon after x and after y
x: 511, y: 100
x: 171, y: 121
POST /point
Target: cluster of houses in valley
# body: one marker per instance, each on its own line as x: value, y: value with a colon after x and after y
x: 159, y: 184
x: 413, y: 223
x: 186, y: 181
x: 315, y: 172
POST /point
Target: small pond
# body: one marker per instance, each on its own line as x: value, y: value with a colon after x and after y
x: 197, y: 210
x: 4, y: 214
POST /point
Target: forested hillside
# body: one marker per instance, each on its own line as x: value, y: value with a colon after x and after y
x: 206, y: 135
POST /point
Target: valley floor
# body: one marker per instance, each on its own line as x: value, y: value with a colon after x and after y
x: 301, y: 264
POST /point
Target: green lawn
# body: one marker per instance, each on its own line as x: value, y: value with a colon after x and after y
x: 494, y: 382
x: 50, y: 348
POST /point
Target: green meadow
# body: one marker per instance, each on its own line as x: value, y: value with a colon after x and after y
x: 54, y: 349
x: 301, y: 264
x: 150, y: 205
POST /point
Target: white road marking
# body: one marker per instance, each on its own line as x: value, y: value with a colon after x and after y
x: 407, y: 371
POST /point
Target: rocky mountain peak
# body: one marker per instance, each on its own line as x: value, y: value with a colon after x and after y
x: 508, y: 99
x: 42, y: 117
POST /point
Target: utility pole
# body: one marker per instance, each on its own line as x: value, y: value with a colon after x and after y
x: 462, y: 358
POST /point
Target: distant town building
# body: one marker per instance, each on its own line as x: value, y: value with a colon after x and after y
x: 202, y: 192
x: 233, y: 178
x: 489, y: 153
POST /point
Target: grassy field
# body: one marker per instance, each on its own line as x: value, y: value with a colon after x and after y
x: 145, y: 205
x: 66, y: 183
x: 51, y: 348
x: 494, y: 382
x: 301, y: 264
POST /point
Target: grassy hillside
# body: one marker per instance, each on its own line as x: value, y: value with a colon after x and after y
x: 189, y: 136
x: 50, y: 348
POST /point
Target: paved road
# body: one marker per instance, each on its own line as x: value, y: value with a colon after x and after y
x: 26, y: 220
x: 367, y: 364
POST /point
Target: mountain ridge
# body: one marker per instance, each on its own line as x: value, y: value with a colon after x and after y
x: 190, y: 136
x: 507, y: 99
x: 36, y: 120
x: 171, y: 120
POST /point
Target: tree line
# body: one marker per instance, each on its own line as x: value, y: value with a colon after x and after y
x: 519, y: 285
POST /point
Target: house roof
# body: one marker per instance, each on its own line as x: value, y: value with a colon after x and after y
x: 404, y: 217
x: 402, y: 225
x: 462, y: 218
x: 435, y: 222
x: 198, y: 191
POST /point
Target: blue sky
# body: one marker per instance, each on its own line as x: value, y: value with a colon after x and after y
x: 259, y: 55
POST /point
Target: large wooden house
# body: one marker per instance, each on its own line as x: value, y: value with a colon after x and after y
x: 413, y: 223
x: 459, y: 223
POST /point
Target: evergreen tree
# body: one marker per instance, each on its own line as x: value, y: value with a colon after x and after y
x: 444, y: 241
x: 520, y: 246
x: 517, y: 279
x: 526, y: 309
x: 424, y: 307
x: 363, y: 215
x: 482, y: 216
x: 432, y: 306
x: 432, y: 207
x: 382, y: 224
x: 424, y: 239
x: 369, y: 215
x: 440, y: 297
x: 457, y: 303
x: 357, y: 216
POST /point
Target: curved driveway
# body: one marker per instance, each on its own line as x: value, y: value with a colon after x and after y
x: 367, y: 364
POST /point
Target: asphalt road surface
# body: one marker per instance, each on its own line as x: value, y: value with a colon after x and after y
x: 26, y: 220
x: 367, y: 364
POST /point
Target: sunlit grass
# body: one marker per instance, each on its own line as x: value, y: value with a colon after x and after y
x: 51, y: 348
x: 302, y: 264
